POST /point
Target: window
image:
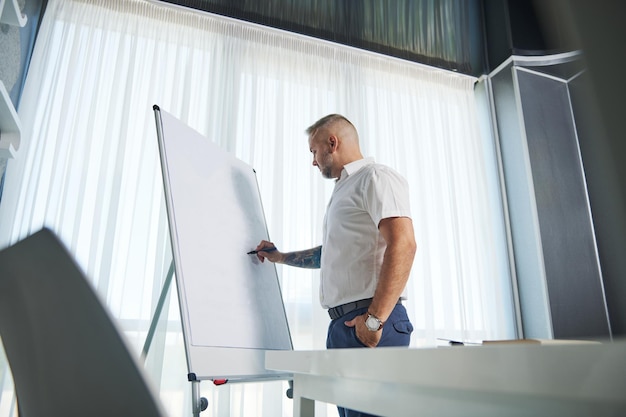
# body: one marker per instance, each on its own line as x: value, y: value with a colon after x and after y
x: 89, y: 168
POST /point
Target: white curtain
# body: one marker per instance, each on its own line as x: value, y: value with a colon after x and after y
x: 88, y: 168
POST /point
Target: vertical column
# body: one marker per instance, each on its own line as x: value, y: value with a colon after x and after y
x: 570, y: 257
x: 556, y: 258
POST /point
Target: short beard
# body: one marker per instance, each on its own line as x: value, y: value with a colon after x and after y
x: 327, y: 170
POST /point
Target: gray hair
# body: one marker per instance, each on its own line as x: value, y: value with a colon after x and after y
x: 325, y: 121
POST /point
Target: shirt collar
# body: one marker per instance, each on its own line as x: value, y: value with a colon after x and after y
x: 354, y: 166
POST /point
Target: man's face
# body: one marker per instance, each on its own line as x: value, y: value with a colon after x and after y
x: 322, y: 156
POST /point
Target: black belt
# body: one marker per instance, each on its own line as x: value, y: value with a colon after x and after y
x: 344, y: 309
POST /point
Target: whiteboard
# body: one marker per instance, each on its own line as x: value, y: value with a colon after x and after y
x: 231, y: 304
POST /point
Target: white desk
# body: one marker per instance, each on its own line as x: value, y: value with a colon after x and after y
x: 496, y: 380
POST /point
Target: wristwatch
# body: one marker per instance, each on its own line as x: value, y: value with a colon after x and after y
x: 373, y: 323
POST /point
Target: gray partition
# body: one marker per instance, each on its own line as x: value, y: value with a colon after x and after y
x: 559, y: 277
x: 231, y: 304
x: 569, y: 249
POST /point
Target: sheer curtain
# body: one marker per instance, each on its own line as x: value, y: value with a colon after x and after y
x: 89, y: 169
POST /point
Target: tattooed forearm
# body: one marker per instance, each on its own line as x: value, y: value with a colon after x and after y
x: 309, y: 258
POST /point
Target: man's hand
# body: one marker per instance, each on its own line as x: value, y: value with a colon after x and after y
x: 272, y: 255
x: 366, y: 336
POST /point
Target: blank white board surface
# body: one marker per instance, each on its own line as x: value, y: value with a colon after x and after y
x: 231, y: 304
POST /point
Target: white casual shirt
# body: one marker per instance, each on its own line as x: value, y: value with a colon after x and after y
x: 352, y: 247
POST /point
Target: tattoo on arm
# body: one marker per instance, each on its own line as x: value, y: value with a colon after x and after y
x: 309, y: 258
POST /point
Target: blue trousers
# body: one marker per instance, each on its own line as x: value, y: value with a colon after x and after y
x: 396, y: 332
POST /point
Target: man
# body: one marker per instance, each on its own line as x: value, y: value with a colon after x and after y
x: 368, y: 243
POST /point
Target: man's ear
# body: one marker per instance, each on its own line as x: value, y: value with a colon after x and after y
x: 333, y: 142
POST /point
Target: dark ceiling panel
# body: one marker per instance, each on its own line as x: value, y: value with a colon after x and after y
x: 441, y: 33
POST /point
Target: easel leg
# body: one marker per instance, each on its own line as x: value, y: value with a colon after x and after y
x: 157, y: 311
x: 196, y: 405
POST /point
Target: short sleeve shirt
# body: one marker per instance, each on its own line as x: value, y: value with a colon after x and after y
x: 352, y: 247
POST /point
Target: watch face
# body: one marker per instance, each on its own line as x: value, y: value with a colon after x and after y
x: 372, y: 323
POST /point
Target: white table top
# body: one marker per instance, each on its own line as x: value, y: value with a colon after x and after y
x: 562, y: 379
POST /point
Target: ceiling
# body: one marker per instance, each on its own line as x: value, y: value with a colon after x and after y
x: 443, y: 33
